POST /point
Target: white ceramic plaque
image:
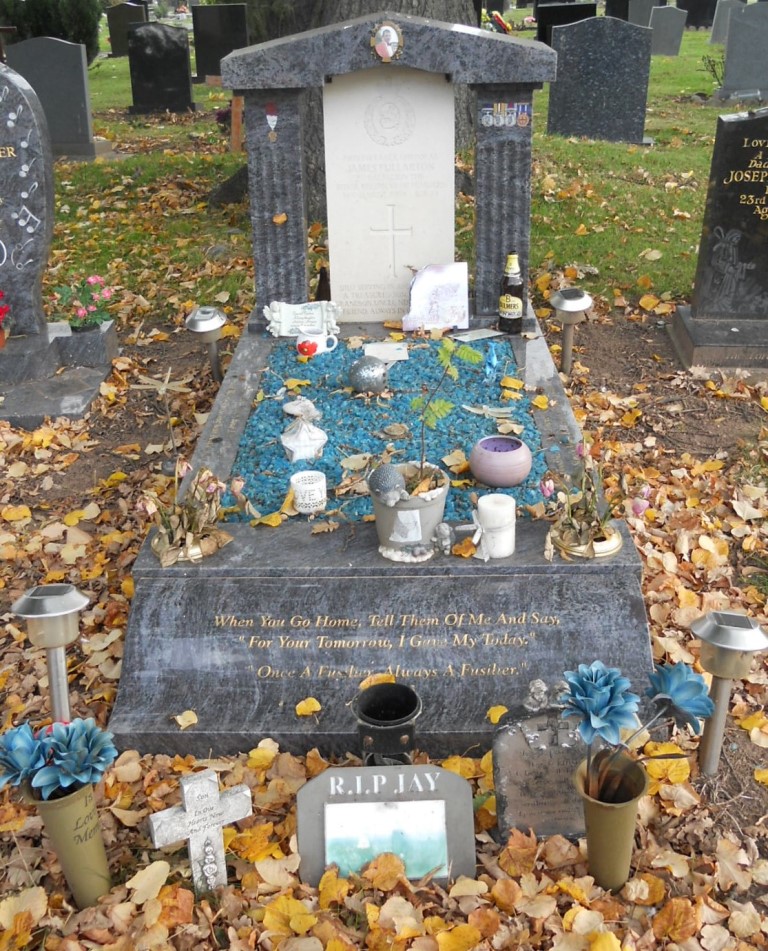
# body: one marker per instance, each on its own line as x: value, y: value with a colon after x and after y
x: 389, y: 152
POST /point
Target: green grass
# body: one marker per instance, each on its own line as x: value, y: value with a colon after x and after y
x: 628, y: 217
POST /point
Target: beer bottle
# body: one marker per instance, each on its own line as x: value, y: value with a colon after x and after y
x: 511, y: 297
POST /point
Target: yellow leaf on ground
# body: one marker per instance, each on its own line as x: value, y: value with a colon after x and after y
x: 581, y: 230
x: 519, y: 855
x: 462, y: 765
x: 540, y: 401
x: 709, y: 465
x: 286, y: 916
x: 385, y: 871
x: 494, y: 714
x: 677, y: 920
x: 505, y: 894
x: 604, y: 941
x: 32, y: 901
x: 260, y: 758
x: 376, y: 679
x: 511, y: 383
x: 15, y: 513
x: 293, y: 384
x: 147, y: 882
x: 756, y: 720
x: 649, y: 301
x: 662, y: 769
x: 761, y: 776
x: 332, y: 889
x: 308, y: 706
x: 460, y: 938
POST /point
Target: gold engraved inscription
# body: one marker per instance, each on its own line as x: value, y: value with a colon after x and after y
x: 752, y: 179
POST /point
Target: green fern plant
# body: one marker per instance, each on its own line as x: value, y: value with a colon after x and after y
x: 432, y: 409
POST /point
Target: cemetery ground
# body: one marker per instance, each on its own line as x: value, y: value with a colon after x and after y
x: 620, y: 221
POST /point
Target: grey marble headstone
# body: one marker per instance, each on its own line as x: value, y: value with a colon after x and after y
x: 603, y: 67
x: 535, y: 754
x: 200, y: 817
x: 639, y: 11
x: 722, y: 16
x: 618, y: 9
x: 550, y: 15
x: 120, y: 18
x: 422, y: 814
x: 727, y: 324
x: 746, y: 65
x: 218, y: 29
x: 668, y: 25
x: 161, y: 75
x: 58, y: 72
x: 273, y: 76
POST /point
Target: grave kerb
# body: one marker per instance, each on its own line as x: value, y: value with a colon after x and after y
x: 274, y: 75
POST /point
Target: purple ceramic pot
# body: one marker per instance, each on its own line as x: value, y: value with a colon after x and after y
x: 500, y: 461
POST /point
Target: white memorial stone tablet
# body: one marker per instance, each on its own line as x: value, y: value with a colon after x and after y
x: 389, y: 152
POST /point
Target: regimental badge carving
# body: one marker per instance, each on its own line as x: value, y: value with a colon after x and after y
x: 387, y: 41
x: 389, y: 118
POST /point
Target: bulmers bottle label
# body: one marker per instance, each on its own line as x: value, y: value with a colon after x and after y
x: 510, y: 306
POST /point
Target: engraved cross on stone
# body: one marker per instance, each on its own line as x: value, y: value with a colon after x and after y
x: 199, y: 819
x: 390, y: 231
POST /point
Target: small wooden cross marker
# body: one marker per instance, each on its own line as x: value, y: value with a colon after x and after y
x: 199, y: 819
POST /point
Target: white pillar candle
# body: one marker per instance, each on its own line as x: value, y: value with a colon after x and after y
x: 496, y: 514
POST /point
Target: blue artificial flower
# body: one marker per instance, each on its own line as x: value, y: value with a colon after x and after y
x: 600, y: 696
x: 680, y: 693
x: 76, y: 754
x: 21, y: 755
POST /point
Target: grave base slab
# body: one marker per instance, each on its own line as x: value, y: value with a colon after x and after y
x: 281, y: 615
x: 719, y: 343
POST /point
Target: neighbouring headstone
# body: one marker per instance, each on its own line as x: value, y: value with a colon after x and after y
x: 668, y: 25
x: 603, y: 67
x: 58, y: 72
x: 746, y: 65
x: 727, y: 323
x: 120, y: 18
x: 639, y: 11
x: 273, y: 77
x: 161, y: 76
x: 39, y: 376
x: 722, y: 16
x: 199, y: 819
x: 701, y: 13
x: 422, y: 814
x: 218, y: 29
x: 618, y: 9
x: 535, y: 754
x: 560, y: 14
x: 383, y: 143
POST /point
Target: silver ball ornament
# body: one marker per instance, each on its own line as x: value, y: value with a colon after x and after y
x: 368, y: 375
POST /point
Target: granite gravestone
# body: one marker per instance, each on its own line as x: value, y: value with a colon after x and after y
x: 603, y: 67
x: 274, y: 76
x: 727, y: 323
x: 746, y: 65
x: 58, y: 72
x: 244, y: 636
x: 668, y: 25
x: 722, y: 16
x: 560, y: 14
x: 217, y: 30
x: 161, y: 77
x: 701, y: 13
x: 42, y: 372
x: 639, y: 11
x: 120, y: 18
x: 535, y: 754
x: 199, y: 819
x: 422, y: 814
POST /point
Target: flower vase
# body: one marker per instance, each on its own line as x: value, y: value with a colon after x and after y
x: 611, y: 825
x: 607, y: 544
x: 72, y: 825
x: 406, y: 529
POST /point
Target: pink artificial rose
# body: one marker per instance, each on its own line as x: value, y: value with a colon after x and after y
x: 639, y: 506
x: 547, y: 487
x: 106, y: 293
x: 95, y: 279
x: 91, y: 309
x: 82, y: 312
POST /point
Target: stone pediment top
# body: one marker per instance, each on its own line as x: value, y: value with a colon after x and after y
x: 465, y: 54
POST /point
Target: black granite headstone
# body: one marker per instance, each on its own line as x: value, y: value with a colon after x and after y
x: 640, y: 11
x: 701, y: 13
x: 120, y: 18
x: 603, y: 66
x: 161, y: 78
x: 550, y: 15
x: 728, y: 320
x: 218, y: 30
x: 618, y: 9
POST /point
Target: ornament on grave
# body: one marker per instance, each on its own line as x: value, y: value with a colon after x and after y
x: 368, y: 375
x: 302, y: 439
x: 289, y: 320
x: 200, y: 817
x: 387, y: 41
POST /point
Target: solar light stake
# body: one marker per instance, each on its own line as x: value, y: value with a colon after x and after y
x: 51, y: 612
x: 728, y: 642
x: 207, y: 322
x: 570, y: 306
x: 386, y: 717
